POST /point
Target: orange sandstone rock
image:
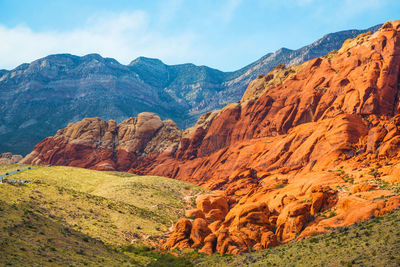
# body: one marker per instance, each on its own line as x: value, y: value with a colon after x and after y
x: 210, y: 243
x: 268, y: 240
x: 195, y: 213
x: 199, y: 231
x: 180, y: 237
x: 363, y: 188
x: 215, y: 203
x: 292, y: 221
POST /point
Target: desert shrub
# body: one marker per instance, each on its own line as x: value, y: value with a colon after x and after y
x: 374, y: 173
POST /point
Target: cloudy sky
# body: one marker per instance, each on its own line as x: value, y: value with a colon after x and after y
x: 224, y: 34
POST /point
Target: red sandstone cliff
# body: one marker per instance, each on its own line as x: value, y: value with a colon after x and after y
x: 96, y: 144
x: 306, y: 149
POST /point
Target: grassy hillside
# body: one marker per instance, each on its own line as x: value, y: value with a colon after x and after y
x: 29, y: 238
x: 88, y: 213
x: 372, y: 243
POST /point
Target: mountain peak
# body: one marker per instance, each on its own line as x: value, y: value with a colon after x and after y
x: 284, y: 50
x: 146, y: 60
x: 93, y: 56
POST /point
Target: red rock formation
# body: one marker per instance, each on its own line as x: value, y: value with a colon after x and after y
x: 181, y: 235
x: 284, y: 157
x: 199, y: 231
x: 9, y: 158
x: 195, y: 213
x: 96, y: 144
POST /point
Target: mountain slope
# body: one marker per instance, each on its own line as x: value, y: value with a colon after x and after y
x: 47, y: 94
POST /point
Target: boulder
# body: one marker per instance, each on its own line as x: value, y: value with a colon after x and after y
x: 363, y: 188
x: 195, y: 213
x: 216, y: 201
x: 292, y: 221
x: 316, y: 202
x: 268, y: 240
x: 215, y: 215
x: 210, y: 243
x: 375, y: 137
x: 199, y: 231
x: 180, y: 237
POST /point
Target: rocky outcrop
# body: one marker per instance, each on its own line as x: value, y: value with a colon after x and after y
x: 180, y: 237
x: 276, y: 76
x: 97, y: 144
x: 321, y: 114
x: 9, y: 158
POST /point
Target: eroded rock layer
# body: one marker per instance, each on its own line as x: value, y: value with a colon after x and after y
x: 97, y: 144
x: 308, y: 148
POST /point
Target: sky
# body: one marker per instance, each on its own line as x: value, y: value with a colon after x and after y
x: 223, y: 34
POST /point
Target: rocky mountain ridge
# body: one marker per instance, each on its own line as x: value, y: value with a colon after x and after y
x: 39, y: 98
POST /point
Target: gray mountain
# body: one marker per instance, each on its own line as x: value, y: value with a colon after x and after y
x: 39, y: 98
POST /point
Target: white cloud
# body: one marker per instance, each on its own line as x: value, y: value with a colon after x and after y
x: 121, y: 36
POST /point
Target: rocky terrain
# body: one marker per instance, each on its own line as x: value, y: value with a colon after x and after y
x: 39, y: 98
x: 308, y: 148
x: 9, y: 158
x: 371, y: 243
x: 96, y: 144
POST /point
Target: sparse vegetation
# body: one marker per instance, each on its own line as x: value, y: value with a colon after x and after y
x: 344, y: 176
x: 374, y: 173
x: 320, y: 89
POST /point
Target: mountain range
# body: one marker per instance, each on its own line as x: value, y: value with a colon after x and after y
x: 49, y: 93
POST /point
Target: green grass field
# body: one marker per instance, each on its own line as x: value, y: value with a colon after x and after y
x: 97, y: 212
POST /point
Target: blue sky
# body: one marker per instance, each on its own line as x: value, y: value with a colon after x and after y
x: 224, y: 34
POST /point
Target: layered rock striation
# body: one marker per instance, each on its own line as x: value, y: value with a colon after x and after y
x: 97, y: 144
